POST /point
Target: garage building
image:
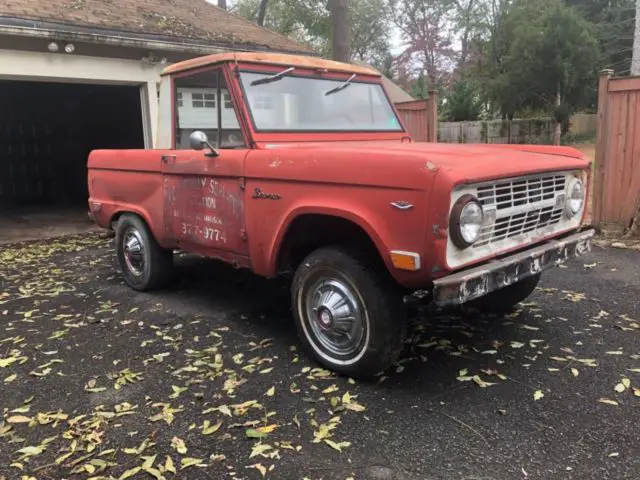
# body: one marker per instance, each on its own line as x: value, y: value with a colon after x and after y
x: 77, y: 75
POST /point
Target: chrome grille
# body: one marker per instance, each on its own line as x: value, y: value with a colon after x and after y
x: 521, y: 206
x: 514, y: 225
x: 521, y: 192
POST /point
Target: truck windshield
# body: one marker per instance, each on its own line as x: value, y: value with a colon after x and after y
x: 307, y: 104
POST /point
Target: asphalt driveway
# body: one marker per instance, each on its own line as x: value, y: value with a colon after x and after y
x: 206, y: 380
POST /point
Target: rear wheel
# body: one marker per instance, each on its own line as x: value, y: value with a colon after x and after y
x: 348, y: 315
x: 145, y: 265
x: 505, y: 299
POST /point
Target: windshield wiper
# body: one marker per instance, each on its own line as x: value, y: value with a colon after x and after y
x: 342, y: 86
x: 273, y: 78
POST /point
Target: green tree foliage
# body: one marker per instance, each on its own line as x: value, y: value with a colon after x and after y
x: 463, y: 102
x: 419, y: 88
x: 308, y: 21
x: 537, y: 50
x: 614, y: 25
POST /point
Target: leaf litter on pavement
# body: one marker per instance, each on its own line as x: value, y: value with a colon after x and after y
x: 123, y: 388
x: 118, y: 394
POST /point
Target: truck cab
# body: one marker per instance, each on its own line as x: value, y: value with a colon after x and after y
x: 299, y: 166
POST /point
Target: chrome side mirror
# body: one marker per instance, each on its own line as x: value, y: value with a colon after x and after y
x: 198, y: 140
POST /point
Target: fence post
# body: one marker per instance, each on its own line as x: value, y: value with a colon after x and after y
x: 432, y: 116
x: 602, y: 135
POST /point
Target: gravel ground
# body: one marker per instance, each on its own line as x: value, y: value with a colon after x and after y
x: 206, y: 379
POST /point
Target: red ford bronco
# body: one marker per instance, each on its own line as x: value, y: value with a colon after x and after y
x: 289, y: 164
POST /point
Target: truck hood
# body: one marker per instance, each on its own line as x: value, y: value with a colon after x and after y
x: 461, y: 163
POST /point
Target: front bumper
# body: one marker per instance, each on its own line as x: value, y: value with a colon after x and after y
x: 476, y: 282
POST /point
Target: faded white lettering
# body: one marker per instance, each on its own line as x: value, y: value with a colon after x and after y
x: 212, y: 219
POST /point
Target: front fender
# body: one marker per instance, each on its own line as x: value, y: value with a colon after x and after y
x: 367, y: 207
x: 298, y: 211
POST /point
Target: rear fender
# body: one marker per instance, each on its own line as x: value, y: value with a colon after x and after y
x: 109, y: 213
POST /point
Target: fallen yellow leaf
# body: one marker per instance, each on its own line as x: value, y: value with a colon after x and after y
x: 261, y: 468
x: 18, y: 419
x: 169, y: 465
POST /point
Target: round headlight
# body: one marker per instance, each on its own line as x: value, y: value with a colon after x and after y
x: 575, y: 197
x: 466, y: 221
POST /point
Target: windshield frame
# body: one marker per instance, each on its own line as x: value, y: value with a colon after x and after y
x: 331, y: 76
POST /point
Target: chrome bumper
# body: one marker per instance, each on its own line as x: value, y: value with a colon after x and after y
x: 476, y: 282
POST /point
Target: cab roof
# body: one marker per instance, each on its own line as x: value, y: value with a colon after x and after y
x: 301, y: 61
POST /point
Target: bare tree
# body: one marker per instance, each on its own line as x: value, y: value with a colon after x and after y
x: 340, y: 38
x: 425, y: 26
x: 222, y: 4
x: 262, y: 11
x: 635, y: 59
x: 468, y: 18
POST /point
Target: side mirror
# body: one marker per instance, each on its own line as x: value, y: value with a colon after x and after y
x: 198, y: 140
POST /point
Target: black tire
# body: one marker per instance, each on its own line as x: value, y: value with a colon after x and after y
x: 505, y: 299
x: 157, y: 263
x: 365, y: 290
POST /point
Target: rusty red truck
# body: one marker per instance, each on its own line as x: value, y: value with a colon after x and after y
x: 297, y: 165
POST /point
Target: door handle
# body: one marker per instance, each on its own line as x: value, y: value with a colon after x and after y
x: 168, y: 158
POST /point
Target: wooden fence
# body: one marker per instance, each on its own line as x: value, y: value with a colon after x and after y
x: 529, y: 130
x: 617, y: 177
x: 539, y: 130
x: 420, y: 117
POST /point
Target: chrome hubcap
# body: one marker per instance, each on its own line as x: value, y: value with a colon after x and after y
x: 335, y: 316
x: 134, y: 251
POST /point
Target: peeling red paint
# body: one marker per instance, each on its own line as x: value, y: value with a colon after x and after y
x: 208, y: 205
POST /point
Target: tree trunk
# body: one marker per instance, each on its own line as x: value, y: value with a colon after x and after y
x: 635, y: 59
x: 222, y: 4
x: 340, y: 40
x: 262, y: 11
x: 558, y: 133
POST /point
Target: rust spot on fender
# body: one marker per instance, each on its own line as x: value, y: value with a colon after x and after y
x: 432, y: 167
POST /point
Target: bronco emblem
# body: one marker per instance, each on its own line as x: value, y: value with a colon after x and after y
x: 257, y: 193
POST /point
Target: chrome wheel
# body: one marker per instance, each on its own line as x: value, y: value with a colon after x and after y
x: 335, y: 316
x: 134, y: 251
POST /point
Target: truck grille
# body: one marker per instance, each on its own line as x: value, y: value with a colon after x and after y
x: 521, y: 205
x: 514, y: 225
x: 521, y: 192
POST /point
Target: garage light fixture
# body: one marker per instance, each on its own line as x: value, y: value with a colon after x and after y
x: 53, y: 47
x: 69, y: 48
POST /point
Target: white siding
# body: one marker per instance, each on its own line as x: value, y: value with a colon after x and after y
x: 204, y: 117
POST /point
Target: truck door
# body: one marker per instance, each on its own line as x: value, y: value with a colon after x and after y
x: 204, y: 195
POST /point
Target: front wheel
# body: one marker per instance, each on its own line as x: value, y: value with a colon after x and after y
x: 348, y: 315
x: 144, y: 263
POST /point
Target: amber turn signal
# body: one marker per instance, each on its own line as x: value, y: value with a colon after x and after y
x: 405, y: 260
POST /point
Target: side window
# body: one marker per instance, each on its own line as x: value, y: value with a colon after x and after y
x: 203, y: 102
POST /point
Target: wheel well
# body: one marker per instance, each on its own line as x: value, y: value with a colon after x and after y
x: 116, y: 216
x: 114, y: 219
x: 310, y: 232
